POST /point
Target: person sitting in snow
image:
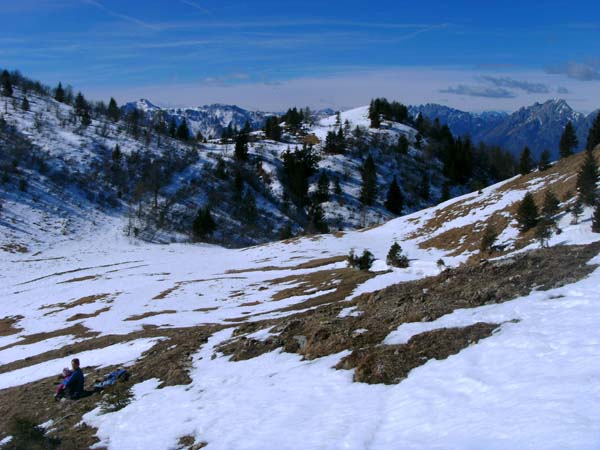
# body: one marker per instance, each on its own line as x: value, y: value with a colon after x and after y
x: 111, y: 379
x: 72, y: 385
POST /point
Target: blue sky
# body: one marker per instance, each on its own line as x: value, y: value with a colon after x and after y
x: 473, y: 55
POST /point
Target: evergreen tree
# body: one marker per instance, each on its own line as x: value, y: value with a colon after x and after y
x: 527, y: 213
x: 6, y: 82
x: 298, y: 167
x: 594, y: 135
x: 272, y: 129
x: 488, y: 239
x: 183, y: 132
x: 322, y: 193
x: 316, y: 217
x: 25, y: 104
x: 117, y: 154
x: 577, y: 210
x: 114, y: 113
x: 587, y: 179
x: 394, y: 201
x: 368, y: 190
x: 543, y: 231
x: 568, y: 141
x: 59, y: 93
x: 241, y: 147
x: 203, y: 225
x: 550, y: 207
x: 596, y: 219
x: 396, y: 257
x: 425, y: 190
x: 526, y: 163
x: 172, y: 128
x: 544, y: 163
x: 403, y: 145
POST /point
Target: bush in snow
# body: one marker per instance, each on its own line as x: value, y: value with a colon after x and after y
x: 363, y: 262
x: 26, y: 433
x: 396, y: 258
x: 115, y: 398
x: 488, y: 239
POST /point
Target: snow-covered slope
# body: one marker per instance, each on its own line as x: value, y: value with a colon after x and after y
x: 244, y: 342
x: 73, y: 178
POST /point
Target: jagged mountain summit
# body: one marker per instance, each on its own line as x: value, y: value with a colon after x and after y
x: 538, y: 126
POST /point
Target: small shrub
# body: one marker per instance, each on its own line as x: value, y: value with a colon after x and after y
x: 115, y: 398
x: 488, y: 239
x: 27, y: 434
x: 396, y: 258
x: 441, y: 263
x: 363, y: 262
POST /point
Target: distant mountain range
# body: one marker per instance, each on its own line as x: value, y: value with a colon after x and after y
x: 210, y: 120
x: 538, y: 126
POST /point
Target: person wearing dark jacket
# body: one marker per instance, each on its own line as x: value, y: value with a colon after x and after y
x: 74, y: 385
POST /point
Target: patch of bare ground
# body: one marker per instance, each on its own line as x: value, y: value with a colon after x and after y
x: 149, y: 314
x: 79, y: 279
x: 81, y: 316
x: 390, y: 364
x: 88, y: 299
x: 7, y: 325
x: 169, y: 361
x: 322, y: 332
x: 560, y: 179
x: 14, y: 248
x: 313, y: 264
x: 77, y: 330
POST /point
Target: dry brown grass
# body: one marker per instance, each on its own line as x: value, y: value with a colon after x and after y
x: 14, y: 248
x: 81, y: 316
x: 313, y: 264
x: 57, y: 307
x: 149, y: 314
x: 79, y: 279
x: 560, y: 179
x: 7, y: 325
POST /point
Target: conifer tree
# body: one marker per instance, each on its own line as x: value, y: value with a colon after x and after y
x: 587, y: 179
x: 25, y: 104
x: 596, y: 219
x: 544, y: 163
x: 577, y: 210
x: 317, y: 222
x: 241, y: 147
x: 394, y: 201
x: 550, y: 207
x: 543, y: 231
x: 488, y: 239
x: 527, y: 213
x: 59, y: 93
x: 526, y: 163
x: 6, y: 83
x: 403, y: 145
x: 594, y: 135
x: 183, y: 132
x: 204, y: 224
x: 568, y: 141
x: 322, y: 193
x: 272, y: 128
x: 114, y: 113
x: 172, y: 128
x: 396, y: 257
x: 368, y: 190
x: 425, y: 189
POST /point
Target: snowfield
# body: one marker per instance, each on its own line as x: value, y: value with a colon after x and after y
x: 533, y: 384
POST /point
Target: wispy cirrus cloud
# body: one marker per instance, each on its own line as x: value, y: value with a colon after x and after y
x: 479, y: 91
x: 511, y: 83
x: 196, y: 6
x: 127, y: 18
x: 588, y: 71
